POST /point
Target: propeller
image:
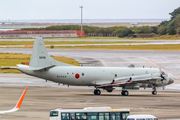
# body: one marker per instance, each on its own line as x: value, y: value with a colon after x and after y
x: 163, y: 78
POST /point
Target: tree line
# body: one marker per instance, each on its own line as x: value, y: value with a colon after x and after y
x: 170, y: 27
x: 100, y: 31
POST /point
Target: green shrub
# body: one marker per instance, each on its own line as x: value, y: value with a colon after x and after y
x: 143, y: 29
x: 162, y: 30
x: 123, y: 31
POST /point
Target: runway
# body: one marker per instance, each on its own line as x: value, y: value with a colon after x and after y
x: 43, y: 96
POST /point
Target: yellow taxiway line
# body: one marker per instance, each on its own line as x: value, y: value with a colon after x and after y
x: 159, y: 67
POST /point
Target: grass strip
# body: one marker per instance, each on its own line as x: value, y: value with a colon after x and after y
x: 167, y: 47
x: 157, y: 37
x: 12, y: 59
x: 60, y: 42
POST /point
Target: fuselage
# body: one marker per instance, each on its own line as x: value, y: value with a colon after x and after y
x: 87, y: 76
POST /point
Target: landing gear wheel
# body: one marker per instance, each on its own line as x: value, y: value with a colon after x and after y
x: 154, y: 92
x: 124, y: 93
x: 97, y: 92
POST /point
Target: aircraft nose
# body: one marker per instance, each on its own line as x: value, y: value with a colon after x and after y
x: 171, y: 80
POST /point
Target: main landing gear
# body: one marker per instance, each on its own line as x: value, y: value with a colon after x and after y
x: 97, y: 92
x: 154, y: 92
x: 124, y: 93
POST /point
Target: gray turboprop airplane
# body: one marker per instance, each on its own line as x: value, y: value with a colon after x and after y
x: 130, y: 77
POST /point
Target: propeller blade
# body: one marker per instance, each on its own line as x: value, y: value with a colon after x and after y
x: 163, y: 85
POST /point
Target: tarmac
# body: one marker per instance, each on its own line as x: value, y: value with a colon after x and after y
x: 42, y: 96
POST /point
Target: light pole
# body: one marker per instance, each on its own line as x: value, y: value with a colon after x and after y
x: 81, y: 17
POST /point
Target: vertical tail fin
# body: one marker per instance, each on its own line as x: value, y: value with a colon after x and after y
x: 40, y: 57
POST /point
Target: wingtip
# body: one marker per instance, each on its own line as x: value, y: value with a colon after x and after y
x: 18, y: 105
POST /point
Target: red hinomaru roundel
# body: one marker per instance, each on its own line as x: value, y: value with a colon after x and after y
x: 77, y: 75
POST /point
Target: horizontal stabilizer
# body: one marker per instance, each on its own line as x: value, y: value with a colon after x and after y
x: 43, y: 68
x: 6, y: 67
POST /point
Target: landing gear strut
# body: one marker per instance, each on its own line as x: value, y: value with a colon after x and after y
x: 97, y: 92
x: 124, y: 93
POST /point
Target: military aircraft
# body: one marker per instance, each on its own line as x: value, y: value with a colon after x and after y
x: 18, y: 105
x: 106, y: 78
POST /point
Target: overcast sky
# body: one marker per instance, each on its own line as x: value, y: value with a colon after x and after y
x: 93, y: 9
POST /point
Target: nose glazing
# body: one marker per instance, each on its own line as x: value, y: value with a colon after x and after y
x: 170, y: 80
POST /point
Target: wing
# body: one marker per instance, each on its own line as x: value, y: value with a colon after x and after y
x: 18, y: 105
x: 117, y: 84
x: 132, y: 79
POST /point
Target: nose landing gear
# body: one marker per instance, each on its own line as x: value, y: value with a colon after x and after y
x: 154, y: 92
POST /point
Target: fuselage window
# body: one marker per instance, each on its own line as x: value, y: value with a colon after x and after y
x: 72, y: 73
x: 82, y: 74
x: 115, y: 75
x: 67, y: 73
